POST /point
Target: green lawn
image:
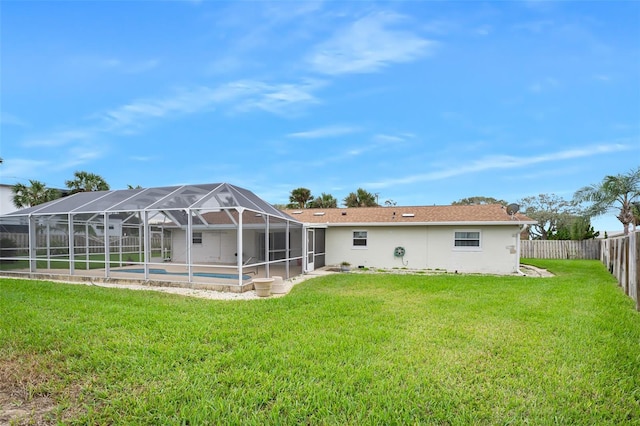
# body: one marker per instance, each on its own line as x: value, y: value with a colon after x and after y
x: 342, y: 349
x: 96, y: 261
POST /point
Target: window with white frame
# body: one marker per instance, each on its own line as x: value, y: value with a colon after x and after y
x: 360, y: 239
x: 467, y: 239
x: 197, y: 238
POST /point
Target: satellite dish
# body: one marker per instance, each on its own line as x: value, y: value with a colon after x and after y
x: 512, y: 209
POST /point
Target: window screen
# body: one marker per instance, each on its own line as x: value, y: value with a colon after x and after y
x: 467, y: 239
x: 359, y: 238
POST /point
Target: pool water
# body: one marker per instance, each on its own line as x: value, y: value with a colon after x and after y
x: 195, y: 274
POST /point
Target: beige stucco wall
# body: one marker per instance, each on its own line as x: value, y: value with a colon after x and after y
x: 216, y: 247
x: 221, y: 246
x: 427, y: 247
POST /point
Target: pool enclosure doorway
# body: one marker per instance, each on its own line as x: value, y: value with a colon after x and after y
x: 216, y: 236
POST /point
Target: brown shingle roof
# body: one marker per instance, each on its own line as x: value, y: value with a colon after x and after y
x: 485, y: 213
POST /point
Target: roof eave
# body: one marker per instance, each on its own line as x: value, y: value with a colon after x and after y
x: 449, y: 223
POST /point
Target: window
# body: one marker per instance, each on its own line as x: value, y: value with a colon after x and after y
x: 197, y: 238
x: 468, y: 239
x: 359, y: 238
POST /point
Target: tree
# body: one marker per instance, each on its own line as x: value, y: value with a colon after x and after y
x: 360, y: 198
x: 478, y: 200
x: 574, y: 228
x: 32, y: 195
x: 324, y: 201
x: 85, y: 182
x: 299, y: 198
x: 551, y: 211
x: 636, y: 214
x: 621, y: 189
x: 129, y: 186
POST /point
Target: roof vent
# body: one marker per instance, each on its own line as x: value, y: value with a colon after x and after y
x: 408, y: 215
x: 318, y: 214
x: 344, y: 213
x: 297, y: 212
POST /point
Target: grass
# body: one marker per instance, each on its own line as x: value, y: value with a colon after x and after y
x: 96, y: 261
x: 341, y: 349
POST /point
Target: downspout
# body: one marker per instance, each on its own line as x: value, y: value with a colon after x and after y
x: 521, y: 229
x: 288, y: 251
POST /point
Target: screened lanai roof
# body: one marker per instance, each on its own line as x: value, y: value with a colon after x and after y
x: 206, y: 197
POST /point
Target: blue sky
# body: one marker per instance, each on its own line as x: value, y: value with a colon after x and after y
x: 420, y: 102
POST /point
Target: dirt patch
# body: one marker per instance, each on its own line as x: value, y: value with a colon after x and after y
x: 24, y: 399
x: 32, y: 411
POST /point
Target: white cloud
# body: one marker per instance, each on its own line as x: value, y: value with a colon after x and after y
x: 245, y: 95
x: 18, y: 168
x: 483, y: 30
x: 324, y: 132
x: 544, y: 85
x: 79, y: 155
x: 281, y: 99
x: 61, y: 138
x: 103, y: 63
x: 535, y: 26
x: 368, y: 45
x: 499, y: 162
x: 382, y: 138
x: 10, y: 119
x: 602, y: 77
x: 141, y: 158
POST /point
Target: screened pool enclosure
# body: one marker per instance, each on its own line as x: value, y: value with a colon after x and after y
x: 215, y: 236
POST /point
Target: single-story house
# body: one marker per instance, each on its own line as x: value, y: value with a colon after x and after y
x: 466, y: 239
x: 222, y: 236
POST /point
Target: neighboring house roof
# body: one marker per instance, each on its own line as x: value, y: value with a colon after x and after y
x: 489, y: 214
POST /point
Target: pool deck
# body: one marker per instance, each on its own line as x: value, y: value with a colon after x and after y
x: 203, y: 277
x: 177, y: 288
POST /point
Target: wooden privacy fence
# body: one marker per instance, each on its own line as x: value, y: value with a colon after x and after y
x: 621, y: 256
x: 560, y: 249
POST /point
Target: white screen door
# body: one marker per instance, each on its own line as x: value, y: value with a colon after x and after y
x: 310, y: 245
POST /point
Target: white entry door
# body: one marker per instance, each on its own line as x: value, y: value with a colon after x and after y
x: 311, y: 236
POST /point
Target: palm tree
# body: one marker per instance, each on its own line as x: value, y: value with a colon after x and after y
x: 623, y: 190
x: 32, y: 195
x: 299, y: 197
x: 360, y: 198
x: 85, y: 181
x: 324, y: 201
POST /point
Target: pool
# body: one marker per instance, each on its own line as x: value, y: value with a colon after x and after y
x: 195, y: 274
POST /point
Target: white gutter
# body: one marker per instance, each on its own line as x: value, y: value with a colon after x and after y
x: 456, y: 223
